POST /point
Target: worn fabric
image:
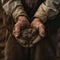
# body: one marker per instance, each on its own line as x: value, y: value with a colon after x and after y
x: 5, y: 25
x: 47, y: 10
x: 13, y: 7
x: 40, y: 51
x: 3, y: 32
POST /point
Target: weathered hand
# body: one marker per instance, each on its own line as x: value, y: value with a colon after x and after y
x: 36, y: 23
x: 22, y: 22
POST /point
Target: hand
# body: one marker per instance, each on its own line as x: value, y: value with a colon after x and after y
x: 22, y: 22
x: 36, y: 23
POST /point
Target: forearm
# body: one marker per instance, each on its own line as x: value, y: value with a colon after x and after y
x: 14, y: 8
x: 48, y: 10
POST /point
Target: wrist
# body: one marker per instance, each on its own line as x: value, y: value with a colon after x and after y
x: 38, y: 20
x: 21, y: 17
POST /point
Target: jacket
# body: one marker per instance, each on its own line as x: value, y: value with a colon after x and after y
x: 47, y: 10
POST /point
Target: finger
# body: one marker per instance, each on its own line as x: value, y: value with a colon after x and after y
x: 16, y: 31
x: 41, y: 31
x: 35, y: 26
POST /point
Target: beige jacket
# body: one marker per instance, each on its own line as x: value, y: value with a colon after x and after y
x: 47, y: 10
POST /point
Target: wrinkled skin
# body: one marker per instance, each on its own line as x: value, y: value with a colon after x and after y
x: 22, y: 22
x: 39, y: 26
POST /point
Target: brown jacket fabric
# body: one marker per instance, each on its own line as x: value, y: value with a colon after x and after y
x: 47, y: 10
x: 40, y: 51
x: 3, y: 32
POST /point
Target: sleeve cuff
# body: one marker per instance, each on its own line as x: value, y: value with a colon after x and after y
x: 18, y: 12
x: 41, y: 13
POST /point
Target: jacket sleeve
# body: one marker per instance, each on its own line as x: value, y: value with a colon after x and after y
x: 48, y: 10
x: 13, y: 7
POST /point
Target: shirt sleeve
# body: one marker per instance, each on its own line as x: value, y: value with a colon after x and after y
x: 13, y: 7
x: 48, y: 10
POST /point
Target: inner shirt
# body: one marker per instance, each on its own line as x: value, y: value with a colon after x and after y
x: 31, y: 6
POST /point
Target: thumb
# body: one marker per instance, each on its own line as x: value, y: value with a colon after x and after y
x: 16, y: 31
x: 42, y: 31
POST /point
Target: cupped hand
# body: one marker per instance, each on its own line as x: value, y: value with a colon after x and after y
x: 36, y: 23
x: 22, y: 22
